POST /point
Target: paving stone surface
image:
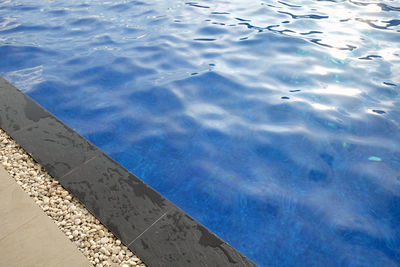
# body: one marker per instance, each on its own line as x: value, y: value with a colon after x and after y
x: 27, y: 236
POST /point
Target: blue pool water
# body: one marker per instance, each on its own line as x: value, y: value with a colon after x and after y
x: 275, y: 124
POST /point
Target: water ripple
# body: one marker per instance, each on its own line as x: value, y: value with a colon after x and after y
x: 279, y: 119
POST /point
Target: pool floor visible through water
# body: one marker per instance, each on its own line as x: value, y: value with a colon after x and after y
x: 275, y: 124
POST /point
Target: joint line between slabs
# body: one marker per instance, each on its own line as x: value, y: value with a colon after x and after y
x: 80, y: 165
x: 147, y: 229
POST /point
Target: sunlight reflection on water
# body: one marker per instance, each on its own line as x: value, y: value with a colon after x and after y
x: 273, y: 121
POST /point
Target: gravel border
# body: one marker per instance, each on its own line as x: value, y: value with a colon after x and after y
x: 95, y: 241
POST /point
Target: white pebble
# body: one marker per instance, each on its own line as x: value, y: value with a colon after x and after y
x: 105, y: 251
x: 116, y: 250
x: 75, y: 233
x: 101, y: 233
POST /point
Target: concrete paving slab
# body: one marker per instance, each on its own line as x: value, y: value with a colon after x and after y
x: 5, y: 179
x: 28, y: 237
x: 16, y: 209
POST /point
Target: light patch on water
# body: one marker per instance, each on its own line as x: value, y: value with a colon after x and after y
x: 26, y: 79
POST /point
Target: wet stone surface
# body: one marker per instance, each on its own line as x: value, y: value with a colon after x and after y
x: 58, y: 148
x: 16, y: 109
x: 178, y: 240
x: 118, y: 198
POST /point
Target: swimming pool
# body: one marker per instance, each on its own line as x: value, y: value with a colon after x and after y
x: 275, y: 124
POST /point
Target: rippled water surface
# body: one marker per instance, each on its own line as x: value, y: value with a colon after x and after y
x: 276, y: 124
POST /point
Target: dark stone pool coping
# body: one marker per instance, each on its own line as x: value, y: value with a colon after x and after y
x: 158, y: 232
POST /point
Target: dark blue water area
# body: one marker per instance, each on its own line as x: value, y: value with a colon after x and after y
x: 275, y: 124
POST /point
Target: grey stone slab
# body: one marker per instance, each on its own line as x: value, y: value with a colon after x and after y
x: 179, y: 240
x: 120, y: 200
x: 57, y: 147
x: 16, y: 109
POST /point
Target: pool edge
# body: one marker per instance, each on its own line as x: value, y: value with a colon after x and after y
x: 160, y: 233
